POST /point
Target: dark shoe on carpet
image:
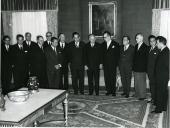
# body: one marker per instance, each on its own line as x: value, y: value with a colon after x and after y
x: 156, y: 111
x: 114, y: 94
x: 75, y: 93
x: 107, y: 94
x: 127, y: 96
x: 82, y: 93
x: 141, y: 98
x: 123, y: 94
x: 90, y: 94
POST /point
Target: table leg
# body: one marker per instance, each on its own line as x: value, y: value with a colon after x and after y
x: 66, y: 110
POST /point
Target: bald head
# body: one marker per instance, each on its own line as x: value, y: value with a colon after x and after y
x: 139, y: 38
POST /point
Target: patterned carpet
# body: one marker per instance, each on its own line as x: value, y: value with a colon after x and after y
x: 104, y: 111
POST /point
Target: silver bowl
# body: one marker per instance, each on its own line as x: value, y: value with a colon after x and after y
x: 18, y: 96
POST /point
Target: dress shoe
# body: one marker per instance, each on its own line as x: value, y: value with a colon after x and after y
x: 75, y: 93
x: 97, y: 94
x: 90, y: 93
x: 123, y: 94
x: 156, y: 111
x: 114, y: 94
x: 107, y: 94
x: 82, y: 93
x: 141, y: 98
x: 127, y: 96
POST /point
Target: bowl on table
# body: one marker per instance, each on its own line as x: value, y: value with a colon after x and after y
x: 18, y: 96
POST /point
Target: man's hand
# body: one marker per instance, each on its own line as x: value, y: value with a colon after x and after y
x: 86, y: 68
x: 101, y: 66
x: 58, y: 66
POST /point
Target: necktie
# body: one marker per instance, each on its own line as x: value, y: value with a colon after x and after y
x: 21, y: 48
x: 62, y: 45
x: 77, y: 45
x: 55, y: 50
x: 7, y: 47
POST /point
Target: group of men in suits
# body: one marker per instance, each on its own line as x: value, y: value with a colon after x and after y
x: 50, y: 61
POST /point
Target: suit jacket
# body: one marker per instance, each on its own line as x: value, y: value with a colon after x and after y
x: 111, y: 55
x: 93, y: 55
x: 126, y: 57
x: 5, y: 57
x: 28, y: 50
x: 76, y: 55
x: 52, y: 58
x: 38, y: 63
x: 162, y: 66
x: 18, y: 58
x: 45, y: 45
x: 64, y: 53
x: 151, y: 60
x: 140, y: 58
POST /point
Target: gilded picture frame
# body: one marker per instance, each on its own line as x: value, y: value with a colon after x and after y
x: 102, y: 17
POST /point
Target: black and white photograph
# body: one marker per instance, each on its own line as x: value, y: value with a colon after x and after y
x: 85, y: 63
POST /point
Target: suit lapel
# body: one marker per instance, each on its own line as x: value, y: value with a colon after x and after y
x: 110, y: 46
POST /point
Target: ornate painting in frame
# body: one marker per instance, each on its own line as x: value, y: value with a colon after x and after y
x: 102, y: 17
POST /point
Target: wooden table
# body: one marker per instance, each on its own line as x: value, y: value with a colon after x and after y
x: 26, y: 113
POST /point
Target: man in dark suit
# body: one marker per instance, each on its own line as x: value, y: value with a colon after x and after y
x: 125, y: 64
x: 63, y: 48
x: 53, y: 58
x: 161, y: 76
x: 93, y: 63
x: 28, y: 44
x: 19, y: 63
x: 47, y: 43
x: 110, y: 62
x: 77, y: 60
x: 6, y: 67
x: 140, y: 67
x: 38, y: 63
x: 153, y: 53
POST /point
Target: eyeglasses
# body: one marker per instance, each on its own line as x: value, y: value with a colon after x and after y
x: 48, y: 35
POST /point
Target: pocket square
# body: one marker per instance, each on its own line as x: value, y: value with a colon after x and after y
x: 113, y: 46
x: 155, y: 53
x: 25, y: 51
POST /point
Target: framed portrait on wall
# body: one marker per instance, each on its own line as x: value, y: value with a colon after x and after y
x: 102, y: 17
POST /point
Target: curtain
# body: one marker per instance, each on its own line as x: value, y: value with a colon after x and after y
x: 52, y: 22
x: 156, y: 14
x: 11, y: 5
x: 161, y: 23
x: 33, y: 22
x: 158, y: 4
x: 165, y: 25
x: 6, y: 21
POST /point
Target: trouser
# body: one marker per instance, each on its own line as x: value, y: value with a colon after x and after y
x: 78, y: 80
x: 152, y: 85
x: 140, y: 84
x: 110, y: 79
x: 93, y: 80
x: 20, y: 77
x: 126, y: 75
x: 161, y: 95
x: 64, y: 78
x: 6, y: 80
x: 53, y: 79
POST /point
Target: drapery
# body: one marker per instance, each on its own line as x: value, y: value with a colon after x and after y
x: 51, y: 18
x: 33, y: 22
x: 13, y: 5
x: 161, y: 24
x: 165, y: 25
x: 158, y: 4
